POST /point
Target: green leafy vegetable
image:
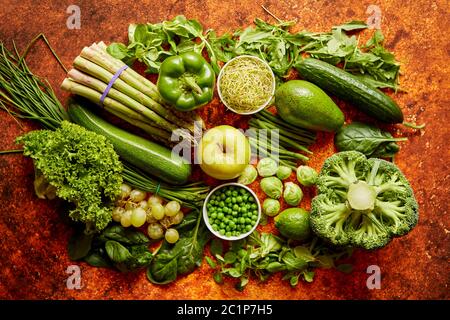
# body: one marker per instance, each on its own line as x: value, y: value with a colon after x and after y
x: 125, y: 249
x: 263, y: 254
x: 292, y: 194
x: 367, y: 139
x: 82, y: 167
x: 182, y: 257
x: 271, y: 42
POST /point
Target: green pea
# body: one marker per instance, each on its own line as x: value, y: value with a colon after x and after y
x: 222, y: 231
x: 239, y: 199
x: 254, y: 206
x: 248, y: 221
x: 234, y: 213
x: 222, y: 225
x: 233, y: 200
x: 231, y: 223
x: 254, y: 217
x: 228, y: 193
x: 255, y: 211
x: 244, y: 209
x: 228, y: 200
x: 251, y: 199
x: 248, y: 228
x: 214, y: 215
x: 235, y: 207
x: 215, y: 226
x: 234, y: 193
x: 242, y: 220
x: 228, y: 234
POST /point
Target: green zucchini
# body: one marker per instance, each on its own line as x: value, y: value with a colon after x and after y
x: 349, y: 88
x: 145, y: 155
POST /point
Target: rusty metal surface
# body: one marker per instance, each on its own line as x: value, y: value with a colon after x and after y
x: 33, y: 233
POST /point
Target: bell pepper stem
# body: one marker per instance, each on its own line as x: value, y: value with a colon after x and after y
x: 191, y: 84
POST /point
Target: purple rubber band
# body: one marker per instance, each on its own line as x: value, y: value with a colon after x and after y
x: 111, y: 83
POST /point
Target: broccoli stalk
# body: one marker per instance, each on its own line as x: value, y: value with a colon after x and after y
x: 362, y: 202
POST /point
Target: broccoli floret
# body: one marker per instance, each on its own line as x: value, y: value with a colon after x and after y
x: 80, y: 166
x: 362, y: 202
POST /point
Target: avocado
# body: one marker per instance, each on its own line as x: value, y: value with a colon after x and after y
x: 304, y: 104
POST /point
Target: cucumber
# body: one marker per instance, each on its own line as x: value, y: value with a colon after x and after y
x: 145, y: 155
x: 349, y: 88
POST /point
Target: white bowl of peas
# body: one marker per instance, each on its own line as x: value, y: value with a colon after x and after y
x: 231, y: 211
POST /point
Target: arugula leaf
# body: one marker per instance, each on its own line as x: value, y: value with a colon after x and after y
x: 352, y: 25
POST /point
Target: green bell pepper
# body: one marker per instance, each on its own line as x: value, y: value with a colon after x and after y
x: 186, y: 81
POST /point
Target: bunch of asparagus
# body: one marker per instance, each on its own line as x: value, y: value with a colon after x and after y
x: 132, y: 97
x: 272, y: 136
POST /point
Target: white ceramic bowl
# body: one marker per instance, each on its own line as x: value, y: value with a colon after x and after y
x: 262, y: 106
x: 205, y: 212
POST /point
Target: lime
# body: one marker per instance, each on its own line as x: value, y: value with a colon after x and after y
x: 293, y: 223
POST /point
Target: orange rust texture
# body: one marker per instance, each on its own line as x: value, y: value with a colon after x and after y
x: 34, y: 233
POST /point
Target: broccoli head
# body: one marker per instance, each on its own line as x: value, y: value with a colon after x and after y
x: 79, y: 166
x: 362, y: 202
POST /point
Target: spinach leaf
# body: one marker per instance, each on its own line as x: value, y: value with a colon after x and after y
x: 182, y: 257
x: 367, y: 139
x: 79, y: 245
x: 117, y: 252
x: 125, y: 249
x: 97, y: 260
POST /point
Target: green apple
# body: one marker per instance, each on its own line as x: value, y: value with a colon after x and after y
x: 223, y: 152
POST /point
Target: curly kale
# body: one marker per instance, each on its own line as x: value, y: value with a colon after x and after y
x: 78, y: 166
x: 362, y: 202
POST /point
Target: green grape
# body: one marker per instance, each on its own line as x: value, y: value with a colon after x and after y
x: 117, y: 213
x: 138, y: 217
x: 158, y: 211
x: 154, y: 199
x: 172, y: 235
x: 137, y: 195
x: 155, y: 231
x: 125, y: 221
x: 125, y: 191
x: 176, y: 219
x: 172, y: 208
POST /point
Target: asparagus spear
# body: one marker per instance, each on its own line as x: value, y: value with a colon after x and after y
x: 156, y: 133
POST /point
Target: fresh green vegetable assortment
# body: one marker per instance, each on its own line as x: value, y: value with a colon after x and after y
x: 120, y: 183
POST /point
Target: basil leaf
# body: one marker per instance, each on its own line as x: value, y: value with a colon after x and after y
x: 117, y: 50
x: 218, y: 278
x: 230, y: 257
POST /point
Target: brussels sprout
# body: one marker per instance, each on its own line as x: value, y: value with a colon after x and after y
x: 248, y: 175
x: 272, y: 187
x: 283, y: 172
x: 271, y: 207
x: 307, y: 176
x: 292, y: 194
x: 267, y: 167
